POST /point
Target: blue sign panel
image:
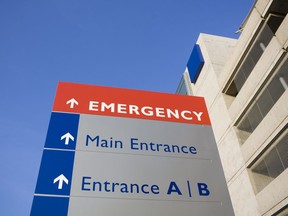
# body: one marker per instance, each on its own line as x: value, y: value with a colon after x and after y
x: 55, y: 173
x: 195, y: 63
x: 48, y: 206
x: 62, y: 131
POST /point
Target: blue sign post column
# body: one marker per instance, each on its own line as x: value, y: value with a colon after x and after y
x: 55, y: 175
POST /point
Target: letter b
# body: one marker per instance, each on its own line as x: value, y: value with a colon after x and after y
x: 203, y: 189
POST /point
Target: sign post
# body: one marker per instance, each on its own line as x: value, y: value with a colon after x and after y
x: 112, y: 151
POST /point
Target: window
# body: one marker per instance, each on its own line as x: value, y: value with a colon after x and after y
x: 263, y: 103
x: 272, y: 163
x: 282, y: 212
x: 181, y: 89
x: 261, y: 42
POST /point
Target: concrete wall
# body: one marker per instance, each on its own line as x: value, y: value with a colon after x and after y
x: 217, y: 52
x: 222, y: 58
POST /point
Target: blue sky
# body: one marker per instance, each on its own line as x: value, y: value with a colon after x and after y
x: 128, y: 43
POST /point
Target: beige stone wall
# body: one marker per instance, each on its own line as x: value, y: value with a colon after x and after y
x: 222, y: 58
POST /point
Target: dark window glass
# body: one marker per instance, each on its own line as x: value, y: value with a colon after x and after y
x: 272, y: 164
x: 282, y: 149
x: 264, y: 102
x: 182, y: 88
x: 254, y: 54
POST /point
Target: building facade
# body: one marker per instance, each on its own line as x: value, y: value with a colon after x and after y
x: 245, y: 84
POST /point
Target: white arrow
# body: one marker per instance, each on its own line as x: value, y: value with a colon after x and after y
x: 72, y: 102
x: 61, y: 178
x: 67, y: 137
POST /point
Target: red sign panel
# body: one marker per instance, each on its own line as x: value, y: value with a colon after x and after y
x: 99, y: 100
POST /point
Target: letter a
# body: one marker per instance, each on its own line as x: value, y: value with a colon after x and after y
x: 173, y: 188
